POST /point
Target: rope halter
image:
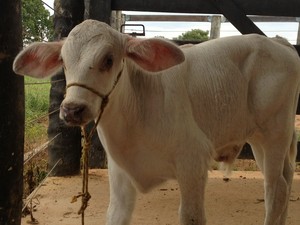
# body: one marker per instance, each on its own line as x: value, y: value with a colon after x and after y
x: 105, y: 98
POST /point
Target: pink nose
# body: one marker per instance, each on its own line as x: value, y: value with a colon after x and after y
x: 72, y: 114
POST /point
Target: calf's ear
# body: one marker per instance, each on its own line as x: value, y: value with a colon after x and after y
x: 153, y: 54
x: 39, y: 60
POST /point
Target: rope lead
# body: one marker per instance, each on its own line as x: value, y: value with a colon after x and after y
x: 87, y: 142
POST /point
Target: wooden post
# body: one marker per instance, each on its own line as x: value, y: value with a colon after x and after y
x: 298, y: 35
x: 12, y: 115
x: 98, y: 10
x: 113, y: 20
x: 116, y: 20
x: 67, y: 145
x: 121, y: 19
x: 215, y: 27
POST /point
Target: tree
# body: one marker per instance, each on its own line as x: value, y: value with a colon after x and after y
x: 12, y: 115
x: 37, y: 22
x: 194, y: 35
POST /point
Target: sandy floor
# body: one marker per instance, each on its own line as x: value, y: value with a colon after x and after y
x: 235, y: 202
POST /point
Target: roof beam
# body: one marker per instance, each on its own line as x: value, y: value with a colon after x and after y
x: 166, y: 18
x: 202, y: 18
x: 250, y: 7
x: 236, y: 16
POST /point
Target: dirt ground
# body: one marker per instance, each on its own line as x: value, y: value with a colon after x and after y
x: 239, y: 201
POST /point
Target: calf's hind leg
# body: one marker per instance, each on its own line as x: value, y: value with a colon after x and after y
x: 278, y: 172
x: 288, y: 172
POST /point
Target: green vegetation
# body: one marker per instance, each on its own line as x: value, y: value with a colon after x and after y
x: 36, y: 124
x: 37, y: 26
x: 36, y: 105
x: 37, y: 22
x: 194, y: 35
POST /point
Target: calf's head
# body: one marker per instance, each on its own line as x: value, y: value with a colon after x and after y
x: 93, y: 56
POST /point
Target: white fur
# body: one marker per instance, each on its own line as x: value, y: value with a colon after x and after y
x: 172, y: 123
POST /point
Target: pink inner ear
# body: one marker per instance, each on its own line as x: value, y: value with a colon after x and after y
x: 39, y: 60
x: 154, y: 54
x: 164, y: 57
x: 52, y: 62
x: 28, y: 58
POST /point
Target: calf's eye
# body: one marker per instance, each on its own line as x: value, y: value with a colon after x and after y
x: 107, y: 63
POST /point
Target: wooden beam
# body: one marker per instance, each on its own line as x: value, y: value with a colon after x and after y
x: 203, y: 18
x: 272, y: 19
x: 186, y: 18
x: 236, y: 16
x: 251, y: 7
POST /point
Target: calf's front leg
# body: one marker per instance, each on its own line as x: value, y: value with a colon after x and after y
x: 122, y: 196
x: 192, y: 180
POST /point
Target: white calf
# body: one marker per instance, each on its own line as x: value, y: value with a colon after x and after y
x: 174, y: 110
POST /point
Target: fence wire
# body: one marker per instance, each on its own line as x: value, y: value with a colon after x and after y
x: 47, y: 5
x: 32, y: 195
x: 29, y: 155
x: 41, y: 117
x: 45, y: 82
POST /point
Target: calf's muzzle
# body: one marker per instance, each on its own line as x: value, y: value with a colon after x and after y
x: 72, y: 114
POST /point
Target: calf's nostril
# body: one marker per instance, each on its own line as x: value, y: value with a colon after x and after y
x: 72, y: 113
x: 78, y: 110
x: 72, y: 109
